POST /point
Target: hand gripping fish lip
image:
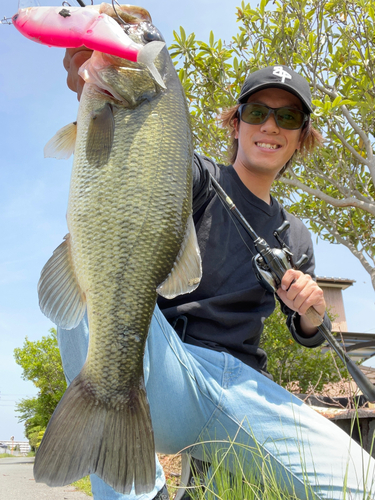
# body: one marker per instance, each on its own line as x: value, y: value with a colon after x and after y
x: 75, y: 27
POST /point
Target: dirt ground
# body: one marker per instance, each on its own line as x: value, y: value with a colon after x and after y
x: 172, y: 470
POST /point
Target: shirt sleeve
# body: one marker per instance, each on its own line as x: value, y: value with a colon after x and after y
x: 202, y: 187
x: 293, y: 323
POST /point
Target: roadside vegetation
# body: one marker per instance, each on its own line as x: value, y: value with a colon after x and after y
x: 41, y: 364
x: 293, y: 366
x: 84, y: 485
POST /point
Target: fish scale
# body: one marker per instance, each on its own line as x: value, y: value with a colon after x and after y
x: 130, y: 235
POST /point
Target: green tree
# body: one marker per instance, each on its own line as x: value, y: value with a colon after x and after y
x: 41, y: 364
x: 288, y: 361
x: 332, y: 43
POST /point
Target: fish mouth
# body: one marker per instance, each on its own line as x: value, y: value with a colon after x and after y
x: 108, y: 93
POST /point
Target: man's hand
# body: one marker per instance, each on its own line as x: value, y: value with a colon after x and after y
x: 299, y: 291
x: 73, y: 60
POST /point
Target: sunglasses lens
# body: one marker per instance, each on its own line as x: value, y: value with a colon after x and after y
x: 254, y: 114
x: 289, y: 118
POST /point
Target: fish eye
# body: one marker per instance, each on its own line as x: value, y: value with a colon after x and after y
x: 152, y: 34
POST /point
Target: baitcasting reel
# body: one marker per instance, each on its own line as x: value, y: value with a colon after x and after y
x: 270, y: 264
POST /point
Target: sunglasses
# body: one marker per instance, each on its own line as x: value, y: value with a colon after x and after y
x: 286, y: 117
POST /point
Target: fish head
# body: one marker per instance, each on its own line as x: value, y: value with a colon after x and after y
x: 130, y: 14
x: 131, y: 82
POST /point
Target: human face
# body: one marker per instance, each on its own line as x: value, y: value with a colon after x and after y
x: 265, y: 148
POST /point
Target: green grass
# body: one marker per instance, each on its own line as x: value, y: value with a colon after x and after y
x: 261, y: 483
x: 84, y: 485
x: 5, y: 455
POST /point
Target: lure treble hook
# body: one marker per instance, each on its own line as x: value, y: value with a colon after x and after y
x: 125, y: 25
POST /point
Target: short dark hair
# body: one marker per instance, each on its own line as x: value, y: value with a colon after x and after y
x: 310, y: 137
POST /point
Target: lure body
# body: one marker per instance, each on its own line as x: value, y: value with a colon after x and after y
x: 73, y: 27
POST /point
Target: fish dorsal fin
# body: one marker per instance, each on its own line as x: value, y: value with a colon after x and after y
x: 63, y: 143
x: 187, y: 270
x: 100, y: 136
x: 60, y: 296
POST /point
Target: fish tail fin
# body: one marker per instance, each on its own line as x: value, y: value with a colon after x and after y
x: 85, y: 436
x: 147, y: 56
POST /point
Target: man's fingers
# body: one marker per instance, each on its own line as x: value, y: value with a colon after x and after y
x: 310, y: 296
x: 73, y: 60
x: 289, y: 278
x: 300, y: 292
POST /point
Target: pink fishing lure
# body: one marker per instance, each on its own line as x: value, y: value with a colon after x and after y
x: 72, y: 27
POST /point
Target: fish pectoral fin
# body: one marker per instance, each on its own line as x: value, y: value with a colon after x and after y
x: 88, y: 436
x: 63, y: 143
x: 187, y: 270
x: 100, y: 136
x: 60, y: 296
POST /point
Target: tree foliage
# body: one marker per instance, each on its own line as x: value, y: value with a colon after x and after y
x: 291, y: 362
x: 41, y: 364
x: 332, y: 44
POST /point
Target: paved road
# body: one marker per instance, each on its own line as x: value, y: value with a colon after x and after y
x: 17, y: 483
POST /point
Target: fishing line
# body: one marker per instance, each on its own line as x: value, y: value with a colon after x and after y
x: 231, y: 216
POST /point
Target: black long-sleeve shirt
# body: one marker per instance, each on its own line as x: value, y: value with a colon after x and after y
x: 227, y: 311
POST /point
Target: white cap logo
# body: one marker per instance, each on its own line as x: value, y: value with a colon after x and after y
x: 280, y: 71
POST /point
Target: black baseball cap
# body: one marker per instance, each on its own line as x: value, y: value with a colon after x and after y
x: 280, y: 77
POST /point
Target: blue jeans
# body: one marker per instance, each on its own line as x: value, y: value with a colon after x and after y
x: 197, y: 394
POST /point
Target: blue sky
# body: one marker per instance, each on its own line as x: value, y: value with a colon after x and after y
x: 35, y: 103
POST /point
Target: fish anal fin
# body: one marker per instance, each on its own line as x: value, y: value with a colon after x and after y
x: 187, y: 270
x: 86, y: 436
x: 100, y: 136
x: 62, y: 144
x: 60, y: 296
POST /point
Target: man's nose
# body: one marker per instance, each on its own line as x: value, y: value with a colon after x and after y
x: 270, y: 126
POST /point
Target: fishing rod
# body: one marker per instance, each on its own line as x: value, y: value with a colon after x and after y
x: 82, y: 4
x: 270, y: 265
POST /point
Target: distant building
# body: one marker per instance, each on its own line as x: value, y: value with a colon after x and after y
x: 24, y: 446
x: 358, y: 345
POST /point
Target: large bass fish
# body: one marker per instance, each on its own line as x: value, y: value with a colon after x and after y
x: 130, y: 235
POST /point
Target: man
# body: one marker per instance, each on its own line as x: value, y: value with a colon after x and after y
x: 205, y: 375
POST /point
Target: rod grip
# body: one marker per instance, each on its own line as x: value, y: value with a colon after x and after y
x: 314, y: 317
